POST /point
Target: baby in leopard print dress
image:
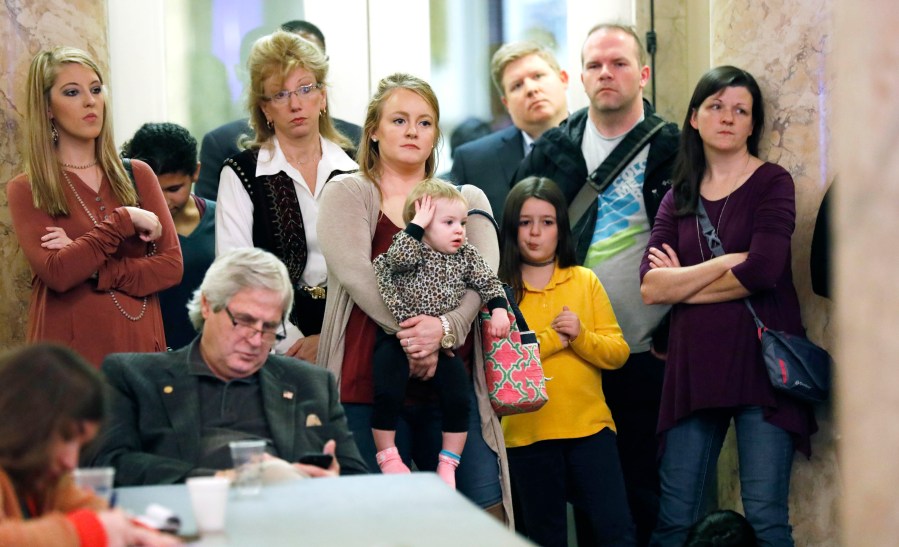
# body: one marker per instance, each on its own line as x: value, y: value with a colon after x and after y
x: 426, y: 271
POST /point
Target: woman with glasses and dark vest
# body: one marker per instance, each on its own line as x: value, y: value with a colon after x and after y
x: 269, y: 193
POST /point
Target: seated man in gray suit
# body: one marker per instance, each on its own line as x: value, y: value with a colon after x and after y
x: 532, y: 87
x: 173, y: 414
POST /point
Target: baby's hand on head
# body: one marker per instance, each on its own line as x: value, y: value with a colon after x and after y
x: 424, y: 211
x: 499, y: 323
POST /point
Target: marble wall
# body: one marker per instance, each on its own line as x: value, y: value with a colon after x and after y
x: 27, y: 26
x: 866, y: 118
x: 673, y: 81
x: 788, y: 46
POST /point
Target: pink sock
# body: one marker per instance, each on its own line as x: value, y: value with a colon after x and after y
x: 390, y: 462
x: 447, y: 463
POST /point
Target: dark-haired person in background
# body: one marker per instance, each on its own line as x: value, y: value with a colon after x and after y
x: 171, y: 152
x: 222, y: 142
x: 470, y: 129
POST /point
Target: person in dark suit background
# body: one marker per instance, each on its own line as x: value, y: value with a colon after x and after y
x: 532, y: 87
x: 222, y: 142
x: 469, y: 130
x: 173, y: 414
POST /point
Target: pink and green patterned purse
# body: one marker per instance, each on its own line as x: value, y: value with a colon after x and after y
x: 515, y: 381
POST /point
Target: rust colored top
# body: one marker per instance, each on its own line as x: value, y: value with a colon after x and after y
x: 67, y: 304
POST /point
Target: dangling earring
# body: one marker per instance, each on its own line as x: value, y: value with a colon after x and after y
x: 324, y: 111
x: 269, y: 124
x: 54, y: 133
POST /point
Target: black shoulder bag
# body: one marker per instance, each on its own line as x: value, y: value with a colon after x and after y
x: 795, y: 365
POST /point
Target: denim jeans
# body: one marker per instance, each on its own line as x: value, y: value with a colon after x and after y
x: 691, y: 455
x: 418, y: 440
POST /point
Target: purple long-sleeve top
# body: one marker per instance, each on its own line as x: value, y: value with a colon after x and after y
x: 714, y: 358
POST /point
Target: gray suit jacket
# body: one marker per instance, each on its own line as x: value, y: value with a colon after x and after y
x: 490, y: 163
x: 153, y: 434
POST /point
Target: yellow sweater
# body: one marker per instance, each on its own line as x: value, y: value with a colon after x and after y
x: 576, y: 407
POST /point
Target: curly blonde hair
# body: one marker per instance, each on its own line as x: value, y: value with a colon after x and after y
x: 279, y: 54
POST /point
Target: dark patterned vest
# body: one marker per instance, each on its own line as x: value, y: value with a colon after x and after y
x: 278, y: 227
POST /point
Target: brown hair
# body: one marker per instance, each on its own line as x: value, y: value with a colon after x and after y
x: 510, y: 259
x: 369, y: 156
x: 47, y: 390
x: 280, y: 53
x: 434, y: 187
x: 39, y: 151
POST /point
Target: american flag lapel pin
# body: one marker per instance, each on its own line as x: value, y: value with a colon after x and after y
x: 287, y: 395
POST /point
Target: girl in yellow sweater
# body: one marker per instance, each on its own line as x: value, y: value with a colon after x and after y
x: 566, y: 451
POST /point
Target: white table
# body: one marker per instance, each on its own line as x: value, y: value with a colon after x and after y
x: 368, y: 510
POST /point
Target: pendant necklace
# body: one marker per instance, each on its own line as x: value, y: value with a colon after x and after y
x: 733, y: 187
x: 314, y: 157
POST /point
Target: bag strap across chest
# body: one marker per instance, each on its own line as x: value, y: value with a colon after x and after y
x: 622, y: 156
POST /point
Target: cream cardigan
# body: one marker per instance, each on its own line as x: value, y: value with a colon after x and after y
x: 348, y: 216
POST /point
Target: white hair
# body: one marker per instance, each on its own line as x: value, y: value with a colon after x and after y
x: 247, y: 268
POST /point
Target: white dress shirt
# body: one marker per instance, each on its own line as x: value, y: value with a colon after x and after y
x: 234, y: 211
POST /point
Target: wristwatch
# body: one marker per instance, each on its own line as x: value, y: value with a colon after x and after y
x: 449, y: 339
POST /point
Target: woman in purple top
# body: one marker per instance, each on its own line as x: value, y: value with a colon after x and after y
x: 714, y: 368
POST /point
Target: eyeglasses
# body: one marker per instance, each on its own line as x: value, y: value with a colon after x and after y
x: 245, y: 326
x: 302, y: 92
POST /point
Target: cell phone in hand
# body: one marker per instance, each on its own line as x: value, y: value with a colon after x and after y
x: 317, y: 459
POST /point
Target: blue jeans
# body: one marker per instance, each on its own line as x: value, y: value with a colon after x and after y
x: 691, y: 455
x: 418, y: 439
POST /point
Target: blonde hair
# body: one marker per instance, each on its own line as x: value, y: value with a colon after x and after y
x: 39, y: 152
x: 436, y: 189
x: 514, y: 51
x: 369, y: 156
x: 279, y: 54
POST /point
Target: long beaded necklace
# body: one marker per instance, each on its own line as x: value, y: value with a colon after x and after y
x: 150, y: 252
